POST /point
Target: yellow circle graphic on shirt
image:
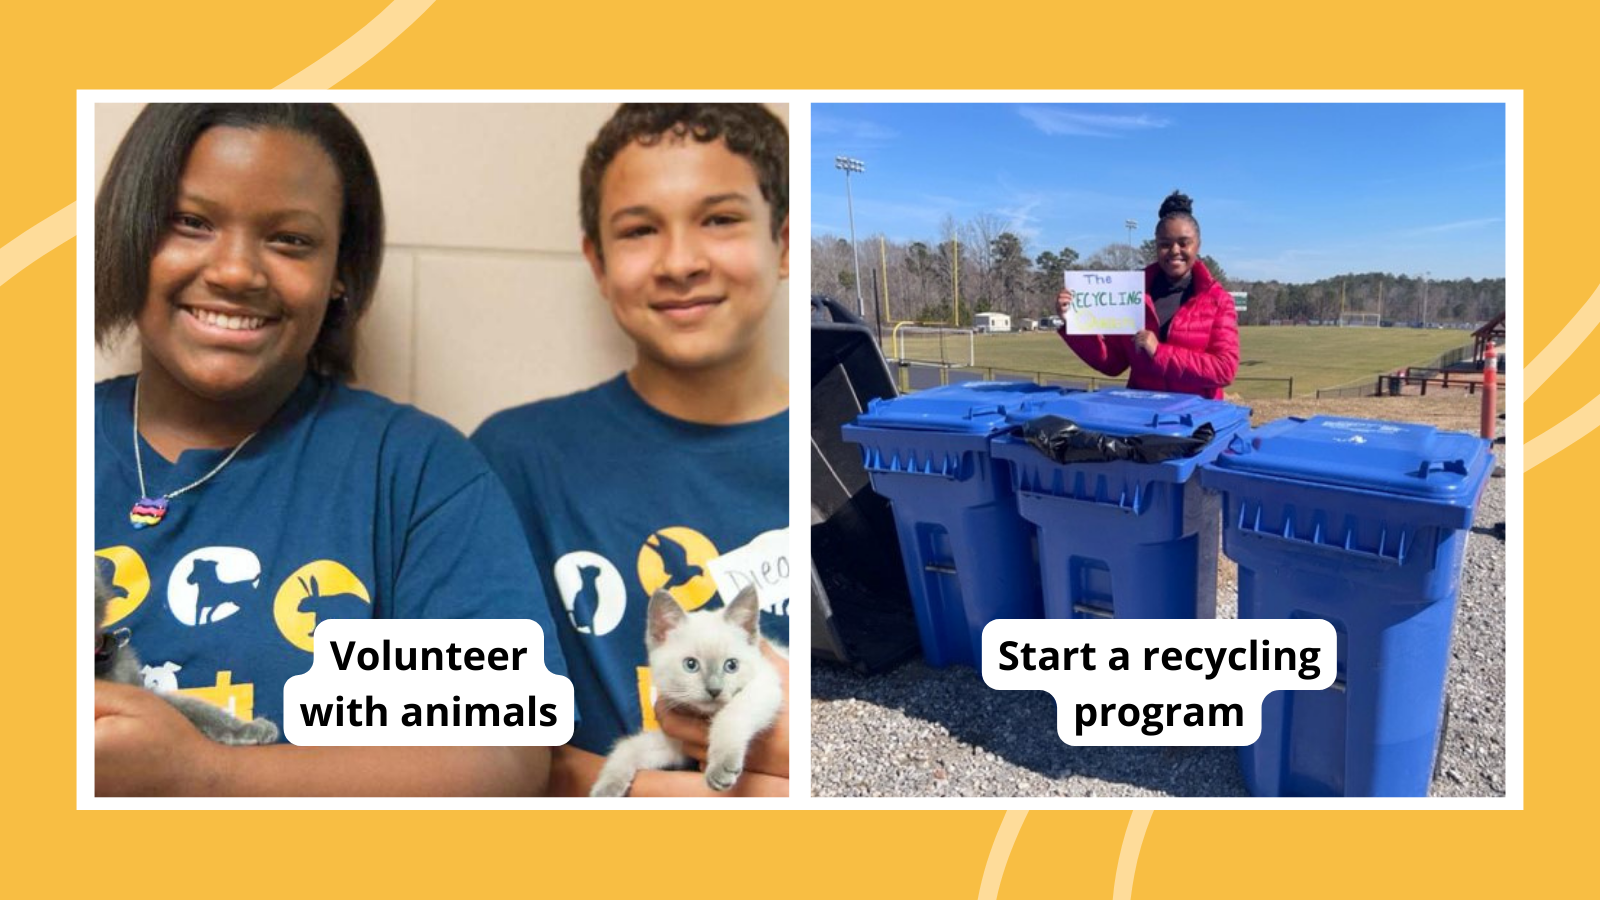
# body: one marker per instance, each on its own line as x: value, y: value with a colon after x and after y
x: 124, y: 571
x: 674, y: 559
x: 318, y: 590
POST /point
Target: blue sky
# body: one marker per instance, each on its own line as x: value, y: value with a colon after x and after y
x: 1295, y: 192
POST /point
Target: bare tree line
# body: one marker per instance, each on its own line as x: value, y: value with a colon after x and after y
x: 1400, y: 299
x: 996, y: 270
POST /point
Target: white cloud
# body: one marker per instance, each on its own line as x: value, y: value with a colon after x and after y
x: 1447, y: 227
x: 1020, y: 218
x: 856, y: 133
x: 1053, y: 120
x: 1291, y: 264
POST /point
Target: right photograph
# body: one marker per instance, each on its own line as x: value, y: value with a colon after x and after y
x: 1179, y: 362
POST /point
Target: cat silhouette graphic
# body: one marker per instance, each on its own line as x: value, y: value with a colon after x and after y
x: 675, y: 560
x: 332, y: 606
x: 586, y: 602
x: 216, y: 599
x: 106, y: 571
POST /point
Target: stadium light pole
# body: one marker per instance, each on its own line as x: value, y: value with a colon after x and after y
x: 848, y: 165
x: 1130, y: 225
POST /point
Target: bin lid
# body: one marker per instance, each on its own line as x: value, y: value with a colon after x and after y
x: 1387, y: 457
x: 973, y: 407
x: 1126, y: 412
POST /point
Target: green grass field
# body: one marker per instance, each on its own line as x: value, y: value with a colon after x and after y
x: 1313, y: 357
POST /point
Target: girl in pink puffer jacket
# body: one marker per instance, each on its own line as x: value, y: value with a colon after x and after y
x: 1190, y: 342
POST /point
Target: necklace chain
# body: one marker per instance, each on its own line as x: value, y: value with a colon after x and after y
x: 138, y: 459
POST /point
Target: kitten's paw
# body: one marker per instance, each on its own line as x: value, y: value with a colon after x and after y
x: 262, y: 731
x: 249, y: 734
x: 611, y: 786
x: 720, y: 777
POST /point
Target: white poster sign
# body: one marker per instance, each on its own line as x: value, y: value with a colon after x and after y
x: 1105, y: 302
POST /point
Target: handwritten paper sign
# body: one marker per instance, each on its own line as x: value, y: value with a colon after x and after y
x: 1105, y: 302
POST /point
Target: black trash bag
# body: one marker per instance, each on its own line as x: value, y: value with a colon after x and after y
x: 1065, y: 442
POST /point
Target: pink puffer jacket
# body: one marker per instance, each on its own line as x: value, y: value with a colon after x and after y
x: 1199, y: 356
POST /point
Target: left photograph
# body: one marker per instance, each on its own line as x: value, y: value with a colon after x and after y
x: 447, y: 361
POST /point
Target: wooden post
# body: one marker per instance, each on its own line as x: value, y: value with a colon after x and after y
x: 1490, y: 375
x: 955, y: 280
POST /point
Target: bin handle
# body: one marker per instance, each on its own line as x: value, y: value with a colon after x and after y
x: 1246, y: 441
x: 949, y: 466
x: 1455, y: 466
x: 1135, y: 502
x: 1321, y: 543
x: 1185, y: 420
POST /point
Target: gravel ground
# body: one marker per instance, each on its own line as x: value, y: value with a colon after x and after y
x: 919, y: 731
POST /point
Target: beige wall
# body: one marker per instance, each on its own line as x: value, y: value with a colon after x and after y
x: 485, y: 299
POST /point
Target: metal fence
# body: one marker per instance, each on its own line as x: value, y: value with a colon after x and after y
x: 1365, y: 388
x: 919, y: 376
x: 1435, y: 371
x: 916, y: 375
x: 1460, y: 354
x: 1421, y: 378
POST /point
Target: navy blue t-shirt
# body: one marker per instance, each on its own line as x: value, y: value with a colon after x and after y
x: 620, y: 500
x: 345, y: 505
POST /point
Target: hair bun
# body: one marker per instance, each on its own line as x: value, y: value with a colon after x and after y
x: 1177, y: 203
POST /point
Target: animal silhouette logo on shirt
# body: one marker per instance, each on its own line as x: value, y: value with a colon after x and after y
x: 106, y: 571
x: 122, y: 573
x: 323, y: 589
x: 587, y: 601
x: 592, y: 590
x: 332, y: 606
x: 212, y: 583
x: 162, y: 679
x: 673, y: 559
x: 218, y: 599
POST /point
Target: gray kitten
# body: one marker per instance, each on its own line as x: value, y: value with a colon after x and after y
x: 709, y: 663
x: 114, y: 662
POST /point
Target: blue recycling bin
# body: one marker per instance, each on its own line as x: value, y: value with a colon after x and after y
x: 1124, y: 539
x: 969, y: 556
x: 1362, y: 523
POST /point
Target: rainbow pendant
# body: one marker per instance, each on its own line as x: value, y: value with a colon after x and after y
x: 148, y: 512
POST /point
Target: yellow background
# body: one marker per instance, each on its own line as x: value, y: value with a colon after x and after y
x: 48, y: 50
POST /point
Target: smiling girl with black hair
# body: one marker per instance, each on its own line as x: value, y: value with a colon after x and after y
x: 1190, y: 342
x: 243, y: 491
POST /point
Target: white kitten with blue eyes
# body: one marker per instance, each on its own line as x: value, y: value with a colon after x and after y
x: 709, y: 663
